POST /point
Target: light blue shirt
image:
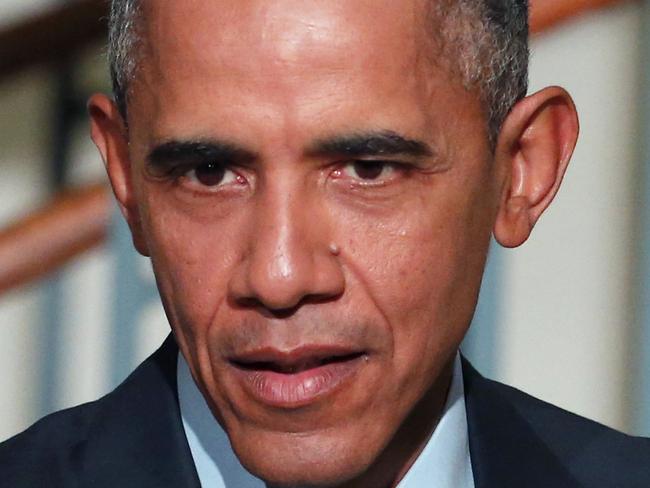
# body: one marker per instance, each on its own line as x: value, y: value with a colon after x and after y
x: 443, y: 463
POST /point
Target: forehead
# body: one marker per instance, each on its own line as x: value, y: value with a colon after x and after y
x: 283, y: 29
x: 289, y: 56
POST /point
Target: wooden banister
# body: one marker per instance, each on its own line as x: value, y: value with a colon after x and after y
x: 74, y: 222
x: 77, y: 221
x: 545, y: 14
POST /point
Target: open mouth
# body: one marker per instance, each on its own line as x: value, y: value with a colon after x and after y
x: 295, y: 379
x: 295, y: 367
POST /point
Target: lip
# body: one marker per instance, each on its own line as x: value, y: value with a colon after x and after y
x: 294, y: 379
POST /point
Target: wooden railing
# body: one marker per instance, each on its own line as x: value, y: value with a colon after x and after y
x: 77, y: 221
x: 546, y: 14
x: 73, y: 223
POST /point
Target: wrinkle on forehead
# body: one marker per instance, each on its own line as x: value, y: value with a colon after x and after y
x: 288, y: 65
x: 241, y: 33
x: 336, y: 29
x: 288, y: 36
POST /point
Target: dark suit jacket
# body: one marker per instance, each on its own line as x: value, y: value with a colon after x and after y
x: 133, y: 437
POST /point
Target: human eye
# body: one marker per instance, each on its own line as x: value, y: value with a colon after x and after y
x: 370, y: 172
x: 210, y: 176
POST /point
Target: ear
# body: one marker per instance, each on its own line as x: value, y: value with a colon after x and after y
x: 534, y: 147
x: 110, y: 135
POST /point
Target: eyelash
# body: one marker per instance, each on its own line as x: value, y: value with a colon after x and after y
x: 187, y: 172
x: 394, y: 166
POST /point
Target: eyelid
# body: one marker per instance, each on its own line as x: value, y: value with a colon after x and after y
x: 195, y: 178
x: 170, y: 169
x: 398, y: 167
x: 175, y: 169
x: 387, y: 162
x: 181, y: 175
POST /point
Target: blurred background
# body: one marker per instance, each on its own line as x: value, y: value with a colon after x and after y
x: 565, y: 318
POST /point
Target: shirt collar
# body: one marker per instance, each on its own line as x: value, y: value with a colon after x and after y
x: 444, y: 461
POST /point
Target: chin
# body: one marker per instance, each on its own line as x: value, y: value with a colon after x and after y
x: 304, y: 460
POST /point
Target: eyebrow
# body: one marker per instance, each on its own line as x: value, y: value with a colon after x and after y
x: 172, y: 153
x: 382, y: 143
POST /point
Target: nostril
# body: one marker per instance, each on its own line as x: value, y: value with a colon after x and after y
x: 264, y: 308
x: 267, y: 310
x: 283, y: 313
x: 279, y: 283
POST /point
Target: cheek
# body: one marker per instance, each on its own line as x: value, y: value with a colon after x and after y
x: 421, y: 267
x: 192, y: 260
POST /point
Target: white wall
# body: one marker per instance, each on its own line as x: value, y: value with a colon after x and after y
x: 567, y: 303
x: 22, y: 185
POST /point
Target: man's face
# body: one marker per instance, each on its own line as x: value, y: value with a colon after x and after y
x: 317, y: 196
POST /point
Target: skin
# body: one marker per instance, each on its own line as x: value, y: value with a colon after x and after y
x: 249, y: 263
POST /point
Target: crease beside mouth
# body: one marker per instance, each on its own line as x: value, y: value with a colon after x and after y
x: 294, y: 368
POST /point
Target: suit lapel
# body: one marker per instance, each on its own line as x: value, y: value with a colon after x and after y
x: 504, y: 449
x: 137, y: 438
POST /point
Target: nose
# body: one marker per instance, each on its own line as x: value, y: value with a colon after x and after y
x: 289, y: 259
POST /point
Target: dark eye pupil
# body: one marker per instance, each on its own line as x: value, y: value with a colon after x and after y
x: 210, y: 174
x: 368, y: 170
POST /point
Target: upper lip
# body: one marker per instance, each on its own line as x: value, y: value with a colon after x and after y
x: 294, y: 360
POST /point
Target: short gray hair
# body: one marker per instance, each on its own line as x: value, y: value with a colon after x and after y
x: 123, y: 38
x: 484, y: 41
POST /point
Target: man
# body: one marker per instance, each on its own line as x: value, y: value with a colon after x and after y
x: 316, y: 183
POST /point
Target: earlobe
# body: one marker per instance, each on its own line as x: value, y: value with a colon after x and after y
x: 109, y: 134
x: 535, y: 146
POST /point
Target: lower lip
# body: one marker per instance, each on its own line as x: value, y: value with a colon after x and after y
x: 300, y: 389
